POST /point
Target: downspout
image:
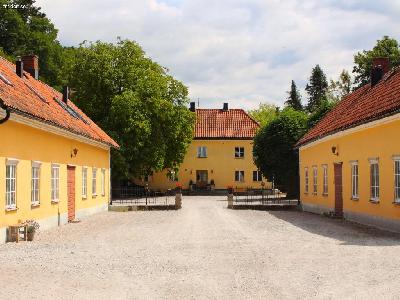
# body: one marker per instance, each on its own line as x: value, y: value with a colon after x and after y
x: 8, y: 112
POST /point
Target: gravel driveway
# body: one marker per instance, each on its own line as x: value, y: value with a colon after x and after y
x: 203, y: 251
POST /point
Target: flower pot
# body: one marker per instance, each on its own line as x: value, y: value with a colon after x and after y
x: 30, y: 236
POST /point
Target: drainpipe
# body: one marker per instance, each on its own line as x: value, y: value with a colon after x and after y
x: 7, y: 109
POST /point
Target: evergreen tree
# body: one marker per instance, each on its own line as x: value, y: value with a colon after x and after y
x: 294, y: 99
x: 316, y: 88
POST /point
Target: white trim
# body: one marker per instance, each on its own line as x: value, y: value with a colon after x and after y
x: 358, y: 128
x: 12, y: 161
x: 373, y: 160
x: 55, y: 130
x: 396, y: 157
x: 353, y: 162
x: 36, y: 164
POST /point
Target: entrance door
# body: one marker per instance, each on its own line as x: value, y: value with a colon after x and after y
x: 71, y: 193
x: 338, y: 190
x: 201, y: 178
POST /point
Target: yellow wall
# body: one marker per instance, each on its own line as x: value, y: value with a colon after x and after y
x: 28, y: 144
x: 382, y: 142
x: 220, y: 163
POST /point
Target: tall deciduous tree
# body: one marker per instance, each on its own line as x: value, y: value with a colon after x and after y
x: 137, y: 102
x: 264, y: 114
x: 273, y: 149
x: 386, y: 47
x: 25, y: 29
x: 340, y: 88
x: 294, y: 98
x: 316, y: 88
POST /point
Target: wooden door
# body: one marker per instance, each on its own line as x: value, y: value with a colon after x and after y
x: 338, y: 190
x: 71, y: 193
x: 201, y: 178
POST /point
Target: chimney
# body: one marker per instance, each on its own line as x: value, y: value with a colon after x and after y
x: 31, y: 65
x: 65, y: 94
x: 225, y: 107
x: 380, y: 66
x: 19, y: 67
x: 192, y: 106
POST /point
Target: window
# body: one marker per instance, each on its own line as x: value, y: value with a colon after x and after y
x: 84, y: 182
x: 239, y: 176
x: 55, y: 183
x: 354, y: 180
x: 103, y: 182
x: 94, y: 182
x: 397, y: 180
x: 325, y: 182
x: 239, y: 152
x: 257, y: 176
x: 11, y: 183
x: 35, y: 184
x: 306, y: 180
x: 202, y: 151
x: 374, y: 169
x: 315, y: 174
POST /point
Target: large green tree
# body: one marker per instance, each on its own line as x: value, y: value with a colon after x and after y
x: 386, y: 47
x: 340, y: 88
x: 136, y: 101
x: 265, y: 113
x: 25, y: 29
x: 316, y: 88
x: 273, y: 149
x: 294, y: 98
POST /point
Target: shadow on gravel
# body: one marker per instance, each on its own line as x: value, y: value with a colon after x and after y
x: 348, y: 233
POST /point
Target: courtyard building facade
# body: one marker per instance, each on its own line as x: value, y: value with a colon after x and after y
x: 220, y: 155
x: 350, y: 161
x: 54, y: 160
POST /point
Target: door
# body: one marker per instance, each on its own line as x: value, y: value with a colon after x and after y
x: 338, y: 190
x: 71, y: 192
x: 201, y: 178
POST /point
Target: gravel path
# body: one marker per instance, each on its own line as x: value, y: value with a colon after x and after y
x: 203, y: 251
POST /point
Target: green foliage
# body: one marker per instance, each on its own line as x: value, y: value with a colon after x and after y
x: 273, y: 149
x: 24, y: 29
x: 136, y: 101
x: 386, y: 47
x: 316, y: 88
x: 340, y: 88
x: 294, y: 98
x: 325, y: 107
x: 264, y: 114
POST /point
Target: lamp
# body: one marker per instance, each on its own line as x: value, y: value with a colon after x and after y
x: 335, y: 150
x: 74, y: 152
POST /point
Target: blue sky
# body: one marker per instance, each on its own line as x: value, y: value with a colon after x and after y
x: 239, y: 51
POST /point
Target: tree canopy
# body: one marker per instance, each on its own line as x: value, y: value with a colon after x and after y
x: 294, y: 98
x: 265, y: 113
x: 386, y: 47
x: 316, y: 88
x: 273, y: 149
x: 137, y: 102
x: 341, y: 87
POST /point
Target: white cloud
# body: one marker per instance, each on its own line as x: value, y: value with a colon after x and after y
x: 241, y: 51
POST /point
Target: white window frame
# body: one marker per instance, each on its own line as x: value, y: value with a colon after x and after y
x: 239, y: 176
x: 306, y: 180
x: 94, y: 182
x: 202, y: 151
x: 11, y: 183
x: 396, y: 160
x: 103, y: 182
x: 84, y: 182
x: 374, y: 180
x: 239, y: 152
x: 325, y: 180
x: 35, y: 183
x: 258, y: 176
x: 55, y: 182
x: 355, y: 181
x: 315, y: 180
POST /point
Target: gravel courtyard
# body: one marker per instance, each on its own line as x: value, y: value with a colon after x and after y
x: 203, y: 251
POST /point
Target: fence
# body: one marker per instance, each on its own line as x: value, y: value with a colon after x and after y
x: 138, y: 195
x: 250, y: 196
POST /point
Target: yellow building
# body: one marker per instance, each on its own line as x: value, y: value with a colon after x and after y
x: 220, y: 155
x: 350, y: 161
x: 54, y: 161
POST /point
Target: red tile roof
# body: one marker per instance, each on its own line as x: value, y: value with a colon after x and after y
x: 362, y: 106
x: 33, y: 98
x: 220, y: 124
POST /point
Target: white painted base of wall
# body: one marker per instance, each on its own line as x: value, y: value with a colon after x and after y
x: 3, y: 235
x: 316, y: 209
x: 374, y: 221
x: 83, y: 213
x: 53, y: 221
